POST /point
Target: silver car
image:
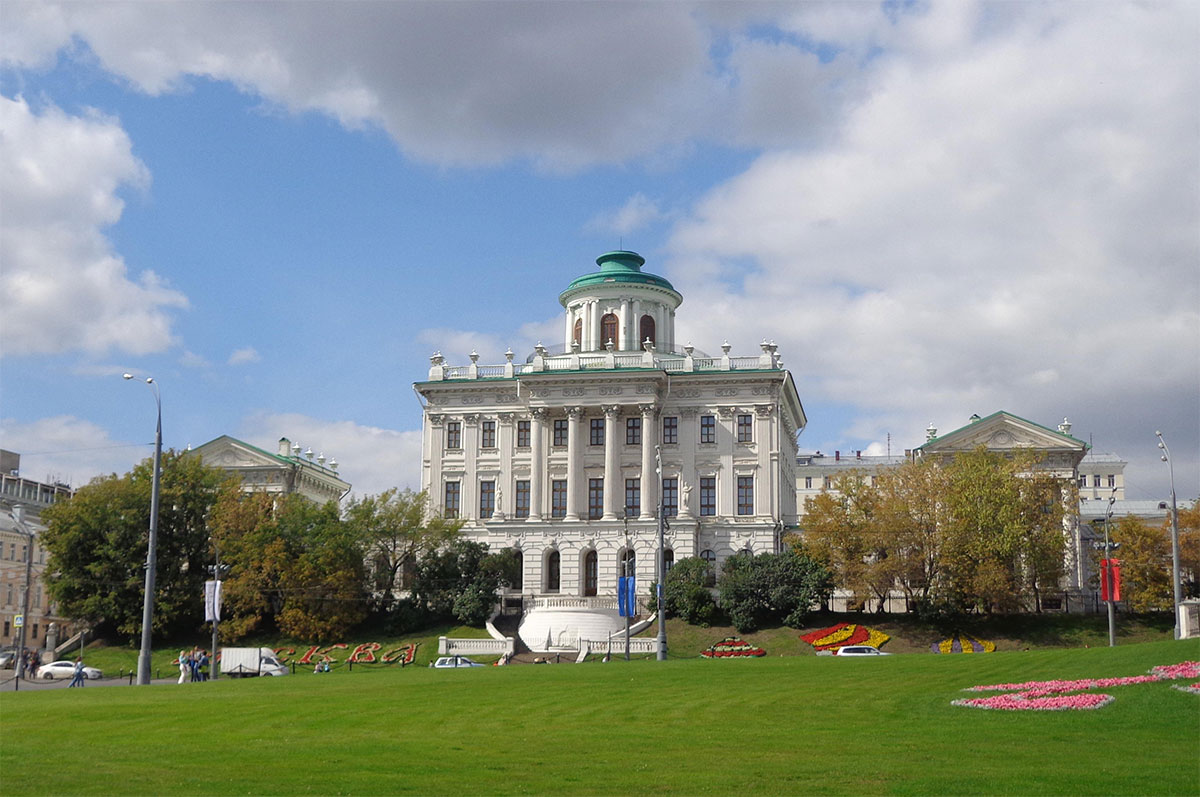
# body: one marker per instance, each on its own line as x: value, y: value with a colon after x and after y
x: 859, y: 650
x: 453, y: 662
x: 66, y: 669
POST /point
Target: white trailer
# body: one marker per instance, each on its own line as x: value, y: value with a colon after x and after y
x: 250, y: 662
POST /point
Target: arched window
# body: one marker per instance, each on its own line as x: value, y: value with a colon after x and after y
x: 668, y: 560
x: 577, y: 335
x: 590, y: 574
x: 646, y: 330
x: 552, y: 571
x: 628, y: 562
x: 608, y: 330
x: 518, y: 570
x: 710, y: 558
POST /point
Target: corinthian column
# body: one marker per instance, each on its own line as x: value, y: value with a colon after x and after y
x: 537, y: 461
x: 612, y: 463
x: 649, y: 477
x: 574, y: 461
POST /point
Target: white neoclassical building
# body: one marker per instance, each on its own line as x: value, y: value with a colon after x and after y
x: 557, y: 456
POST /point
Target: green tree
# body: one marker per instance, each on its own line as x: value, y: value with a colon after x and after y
x: 1189, y: 548
x: 840, y: 530
x: 295, y: 567
x: 394, y: 530
x: 770, y: 588
x: 97, y: 542
x: 686, y: 593
x: 1145, y: 557
x: 460, y: 581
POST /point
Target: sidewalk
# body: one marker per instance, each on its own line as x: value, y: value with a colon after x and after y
x: 9, y: 684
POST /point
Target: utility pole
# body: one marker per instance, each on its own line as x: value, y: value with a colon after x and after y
x: 660, y: 567
x: 1107, y: 573
x: 18, y: 513
x: 1175, y: 580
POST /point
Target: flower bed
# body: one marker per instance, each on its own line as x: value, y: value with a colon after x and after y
x: 1049, y: 695
x: 842, y: 634
x: 732, y: 647
x: 963, y: 643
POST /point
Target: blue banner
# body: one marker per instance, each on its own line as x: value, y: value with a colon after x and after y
x: 627, y: 596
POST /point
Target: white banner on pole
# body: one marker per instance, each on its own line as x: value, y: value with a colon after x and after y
x: 212, y: 601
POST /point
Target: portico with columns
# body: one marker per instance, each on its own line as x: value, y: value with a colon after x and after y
x: 558, y: 457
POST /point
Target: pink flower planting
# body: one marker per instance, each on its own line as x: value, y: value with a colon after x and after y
x: 1049, y: 695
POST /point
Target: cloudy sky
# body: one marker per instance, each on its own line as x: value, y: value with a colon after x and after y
x: 280, y: 210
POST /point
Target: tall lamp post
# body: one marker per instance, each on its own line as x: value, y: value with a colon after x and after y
x: 143, y: 675
x: 1107, y: 574
x: 660, y: 566
x: 1176, y: 583
x: 18, y: 517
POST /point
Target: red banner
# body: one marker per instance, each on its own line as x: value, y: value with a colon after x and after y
x: 1110, y: 580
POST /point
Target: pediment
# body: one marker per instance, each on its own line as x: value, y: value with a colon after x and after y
x: 227, y: 452
x: 1004, y: 432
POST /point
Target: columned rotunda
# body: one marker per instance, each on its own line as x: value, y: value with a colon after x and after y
x: 558, y: 456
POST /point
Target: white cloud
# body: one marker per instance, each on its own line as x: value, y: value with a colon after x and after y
x: 370, y: 458
x: 64, y: 287
x: 244, y: 356
x: 456, y: 345
x: 68, y: 449
x: 1007, y: 220
x: 638, y: 212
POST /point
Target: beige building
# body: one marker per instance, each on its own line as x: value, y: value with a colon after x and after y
x: 21, y: 503
x: 286, y: 472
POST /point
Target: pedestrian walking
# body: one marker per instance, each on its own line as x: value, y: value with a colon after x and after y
x: 185, y: 666
x: 77, y: 678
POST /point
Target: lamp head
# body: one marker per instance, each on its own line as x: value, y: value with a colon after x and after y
x: 127, y: 376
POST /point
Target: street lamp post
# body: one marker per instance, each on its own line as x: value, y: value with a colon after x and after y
x: 660, y: 566
x: 1175, y: 581
x: 143, y: 675
x: 1106, y: 573
x: 19, y: 518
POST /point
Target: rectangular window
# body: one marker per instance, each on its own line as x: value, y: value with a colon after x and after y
x: 454, y: 434
x: 521, y: 502
x: 597, y: 435
x: 452, y: 498
x: 558, y: 498
x: 522, y: 434
x: 37, y: 598
x: 595, y: 499
x: 808, y: 482
x: 1112, y: 480
x: 560, y: 431
x: 745, y: 428
x: 670, y: 497
x: 633, y: 497
x: 745, y: 495
x: 1083, y: 481
x: 670, y: 431
x: 1096, y: 480
x: 708, y: 496
x: 633, y: 431
x: 708, y: 428
x: 487, y: 434
x: 828, y: 482
x: 487, y: 499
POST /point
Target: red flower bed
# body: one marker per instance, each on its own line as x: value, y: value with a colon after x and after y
x: 732, y: 647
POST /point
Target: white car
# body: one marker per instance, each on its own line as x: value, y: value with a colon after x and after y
x: 859, y: 650
x: 453, y: 662
x: 66, y: 669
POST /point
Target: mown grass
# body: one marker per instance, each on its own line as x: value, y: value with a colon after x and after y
x: 777, y: 725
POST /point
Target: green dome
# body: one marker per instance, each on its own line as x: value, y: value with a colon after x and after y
x: 620, y: 266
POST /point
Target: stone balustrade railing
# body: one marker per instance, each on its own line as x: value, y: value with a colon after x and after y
x: 448, y: 646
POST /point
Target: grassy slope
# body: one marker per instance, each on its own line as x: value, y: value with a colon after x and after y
x: 774, y: 725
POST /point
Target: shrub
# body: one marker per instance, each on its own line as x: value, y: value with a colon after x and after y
x: 684, y: 592
x: 758, y: 590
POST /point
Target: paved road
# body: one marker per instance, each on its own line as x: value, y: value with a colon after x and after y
x: 9, y: 684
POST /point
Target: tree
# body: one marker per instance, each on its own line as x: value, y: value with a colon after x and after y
x: 97, y: 542
x: 758, y: 590
x: 460, y: 581
x: 393, y: 531
x: 1189, y: 548
x: 686, y: 594
x: 294, y: 567
x: 840, y: 530
x: 1145, y: 557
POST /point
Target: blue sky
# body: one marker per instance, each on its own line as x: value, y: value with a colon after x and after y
x: 281, y: 210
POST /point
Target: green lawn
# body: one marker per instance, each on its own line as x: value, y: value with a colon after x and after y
x: 793, y: 724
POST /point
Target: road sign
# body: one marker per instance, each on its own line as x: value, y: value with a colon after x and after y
x: 18, y: 621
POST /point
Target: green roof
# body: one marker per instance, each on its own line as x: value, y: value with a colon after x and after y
x: 1055, y: 432
x: 621, y: 266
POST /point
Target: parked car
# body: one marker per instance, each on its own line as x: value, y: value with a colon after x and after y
x: 8, y: 659
x: 452, y: 662
x: 65, y: 669
x: 859, y: 650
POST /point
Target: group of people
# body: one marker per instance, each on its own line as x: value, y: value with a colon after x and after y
x: 31, y: 661
x: 193, y: 665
